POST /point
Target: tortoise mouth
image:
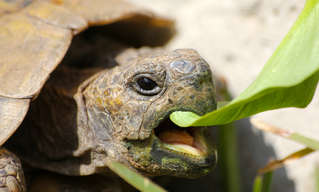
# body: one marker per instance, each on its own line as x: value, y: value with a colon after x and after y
x: 173, y: 150
x: 185, y: 141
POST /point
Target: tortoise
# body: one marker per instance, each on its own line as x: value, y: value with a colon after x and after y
x: 83, y: 83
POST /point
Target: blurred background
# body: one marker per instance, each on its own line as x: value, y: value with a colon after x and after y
x: 236, y: 38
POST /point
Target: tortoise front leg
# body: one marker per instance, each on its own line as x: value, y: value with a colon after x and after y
x: 11, y: 173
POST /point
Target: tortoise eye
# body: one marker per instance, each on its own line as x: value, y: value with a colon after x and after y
x: 144, y: 85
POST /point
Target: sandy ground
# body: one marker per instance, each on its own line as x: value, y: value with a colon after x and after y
x: 237, y: 38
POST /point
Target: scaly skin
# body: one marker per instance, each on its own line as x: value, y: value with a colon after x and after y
x: 185, y: 83
x: 11, y: 174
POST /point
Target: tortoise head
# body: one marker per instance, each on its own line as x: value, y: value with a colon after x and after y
x: 129, y: 106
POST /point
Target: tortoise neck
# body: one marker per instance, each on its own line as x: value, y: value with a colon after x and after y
x: 55, y: 134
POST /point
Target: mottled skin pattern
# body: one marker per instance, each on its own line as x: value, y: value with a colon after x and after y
x: 84, y: 118
x: 184, y: 83
x: 11, y: 177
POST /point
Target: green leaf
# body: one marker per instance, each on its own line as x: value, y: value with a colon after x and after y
x: 228, y: 157
x: 262, y: 183
x: 135, y: 179
x: 258, y: 184
x: 267, y: 178
x: 184, y: 118
x: 309, y: 142
x: 288, y: 79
